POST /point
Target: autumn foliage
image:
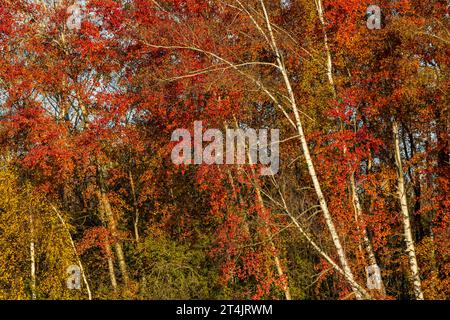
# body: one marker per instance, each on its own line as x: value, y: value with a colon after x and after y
x: 86, y: 176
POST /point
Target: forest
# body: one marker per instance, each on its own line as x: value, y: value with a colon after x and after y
x: 94, y: 207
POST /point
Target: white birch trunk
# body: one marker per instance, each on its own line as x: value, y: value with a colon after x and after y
x: 32, y: 259
x: 112, y: 274
x: 410, y: 249
x: 135, y: 206
x: 109, y: 252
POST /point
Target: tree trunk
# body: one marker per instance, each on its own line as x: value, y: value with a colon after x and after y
x: 410, y: 249
x: 32, y: 260
x: 112, y: 273
x: 319, y: 8
x: 109, y: 252
x: 135, y: 206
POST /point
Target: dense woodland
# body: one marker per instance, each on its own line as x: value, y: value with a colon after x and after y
x: 86, y: 176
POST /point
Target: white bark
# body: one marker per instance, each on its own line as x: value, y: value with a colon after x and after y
x: 410, y: 249
x: 319, y: 8
x: 112, y: 273
x: 109, y: 252
x: 135, y: 206
x: 32, y: 259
